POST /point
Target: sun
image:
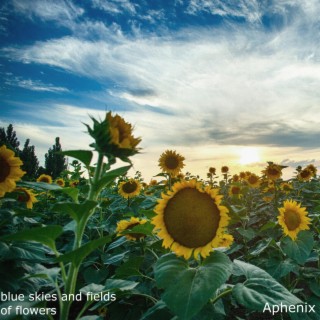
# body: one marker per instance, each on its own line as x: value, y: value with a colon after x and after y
x: 249, y: 155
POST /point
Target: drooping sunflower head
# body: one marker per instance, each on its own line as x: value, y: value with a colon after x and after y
x: 171, y: 162
x: 305, y: 174
x: 253, y: 180
x: 273, y: 171
x: 60, y: 182
x: 10, y: 171
x: 45, y: 178
x: 242, y: 175
x: 129, y: 188
x: 212, y: 170
x: 124, y: 225
x: 26, y: 196
x: 293, y: 218
x: 190, y: 219
x: 235, y: 178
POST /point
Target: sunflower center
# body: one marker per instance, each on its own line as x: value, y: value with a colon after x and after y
x: 292, y: 219
x: 171, y: 162
x: 235, y: 190
x: 192, y: 218
x: 273, y: 172
x: 4, y: 169
x: 253, y: 179
x: 129, y: 187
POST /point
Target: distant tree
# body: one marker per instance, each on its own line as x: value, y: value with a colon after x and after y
x: 9, y: 138
x: 55, y: 163
x: 30, y: 161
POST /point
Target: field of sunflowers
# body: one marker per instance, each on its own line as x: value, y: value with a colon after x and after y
x: 99, y: 244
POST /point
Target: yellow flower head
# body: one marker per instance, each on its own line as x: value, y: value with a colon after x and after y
x: 60, y: 182
x: 113, y: 138
x: 293, y: 218
x: 130, y: 188
x: 126, y: 225
x: 10, y: 171
x: 235, y: 191
x: 45, y: 178
x: 190, y: 219
x: 273, y: 171
x: 312, y: 168
x: 74, y: 183
x: 286, y: 187
x: 121, y: 132
x: 253, y: 180
x: 171, y: 162
x: 26, y: 196
x: 305, y: 174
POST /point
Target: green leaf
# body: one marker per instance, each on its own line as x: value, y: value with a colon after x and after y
x: 110, y: 176
x: 85, y: 156
x: 247, y: 233
x: 262, y: 245
x: 115, y: 259
x: 39, y: 185
x: 187, y: 289
x: 45, y: 235
x: 78, y: 255
x: 73, y: 193
x: 158, y: 311
x: 300, y: 249
x: 146, y: 228
x: 76, y: 211
x: 259, y: 288
x: 111, y: 284
x: 130, y: 268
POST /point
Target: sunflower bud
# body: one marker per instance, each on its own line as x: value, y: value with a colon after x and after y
x: 113, y: 137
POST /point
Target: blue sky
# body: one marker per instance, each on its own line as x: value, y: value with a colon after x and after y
x: 219, y: 81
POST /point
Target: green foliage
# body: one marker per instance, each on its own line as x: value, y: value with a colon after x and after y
x: 187, y: 289
x: 55, y: 162
x: 9, y: 138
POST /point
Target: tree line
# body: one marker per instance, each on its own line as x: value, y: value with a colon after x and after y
x: 55, y: 163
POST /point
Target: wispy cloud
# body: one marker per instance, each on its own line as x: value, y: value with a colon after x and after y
x: 34, y: 85
x: 59, y: 10
x: 115, y: 6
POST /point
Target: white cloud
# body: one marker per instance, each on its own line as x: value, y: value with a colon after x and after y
x: 34, y: 85
x: 115, y: 6
x: 58, y: 10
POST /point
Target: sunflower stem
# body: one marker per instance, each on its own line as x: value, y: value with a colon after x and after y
x: 224, y: 293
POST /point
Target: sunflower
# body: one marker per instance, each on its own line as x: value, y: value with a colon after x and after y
x: 253, y: 180
x: 272, y: 171
x: 190, y: 219
x: 293, y: 218
x: 235, y: 191
x: 286, y: 187
x: 171, y: 162
x: 45, y: 178
x: 60, y: 182
x: 10, y: 171
x: 129, y: 224
x: 74, y: 183
x: 26, y: 196
x: 212, y: 170
x: 224, y: 169
x: 242, y: 175
x: 130, y: 188
x: 235, y: 178
x: 312, y: 168
x: 305, y: 174
x: 121, y: 132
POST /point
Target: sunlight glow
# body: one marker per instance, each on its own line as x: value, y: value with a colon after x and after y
x: 249, y: 155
